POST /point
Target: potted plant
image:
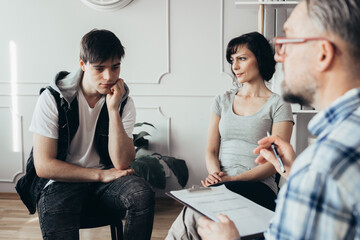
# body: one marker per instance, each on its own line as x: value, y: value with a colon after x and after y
x: 140, y: 142
x: 149, y: 167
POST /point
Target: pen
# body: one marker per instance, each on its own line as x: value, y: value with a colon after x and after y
x: 276, y: 154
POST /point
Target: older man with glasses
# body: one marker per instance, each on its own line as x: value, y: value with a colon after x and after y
x: 321, y: 63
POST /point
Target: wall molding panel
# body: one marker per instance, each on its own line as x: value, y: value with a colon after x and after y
x: 12, y: 159
x: 160, y: 136
x: 162, y: 53
x: 223, y: 44
x: 131, y: 73
x: 167, y: 34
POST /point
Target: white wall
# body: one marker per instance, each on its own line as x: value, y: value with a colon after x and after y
x: 174, y: 66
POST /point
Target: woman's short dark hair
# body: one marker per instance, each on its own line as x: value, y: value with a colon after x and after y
x: 99, y: 46
x: 260, y: 47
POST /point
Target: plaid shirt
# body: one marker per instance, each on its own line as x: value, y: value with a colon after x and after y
x: 321, y: 199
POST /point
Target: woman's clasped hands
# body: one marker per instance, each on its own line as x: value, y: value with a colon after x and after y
x: 216, y: 177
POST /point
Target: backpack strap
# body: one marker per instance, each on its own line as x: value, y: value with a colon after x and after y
x: 122, y: 106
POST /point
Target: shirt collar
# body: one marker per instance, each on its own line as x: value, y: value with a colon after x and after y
x: 324, y: 121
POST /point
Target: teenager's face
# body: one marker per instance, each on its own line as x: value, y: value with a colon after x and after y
x: 100, y: 77
x: 244, y: 65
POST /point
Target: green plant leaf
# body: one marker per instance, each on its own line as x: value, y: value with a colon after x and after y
x: 140, y: 135
x: 151, y: 170
x: 141, y: 143
x: 143, y: 123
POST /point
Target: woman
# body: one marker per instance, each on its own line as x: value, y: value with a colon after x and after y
x: 240, y: 118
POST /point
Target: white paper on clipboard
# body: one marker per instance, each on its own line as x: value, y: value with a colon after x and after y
x: 249, y: 217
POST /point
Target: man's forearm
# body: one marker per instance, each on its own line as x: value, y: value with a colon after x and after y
x: 66, y: 172
x: 51, y: 168
x: 121, y: 147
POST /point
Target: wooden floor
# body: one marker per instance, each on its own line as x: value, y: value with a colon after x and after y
x: 16, y: 223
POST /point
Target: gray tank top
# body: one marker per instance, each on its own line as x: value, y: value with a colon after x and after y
x: 239, y: 134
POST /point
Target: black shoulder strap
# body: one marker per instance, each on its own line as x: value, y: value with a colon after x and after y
x: 54, y: 93
x: 65, y: 117
x: 122, y: 106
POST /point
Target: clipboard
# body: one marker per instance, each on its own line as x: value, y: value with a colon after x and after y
x: 192, y: 189
x: 250, y: 218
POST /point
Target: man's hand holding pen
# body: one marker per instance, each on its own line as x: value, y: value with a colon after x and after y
x: 285, y: 151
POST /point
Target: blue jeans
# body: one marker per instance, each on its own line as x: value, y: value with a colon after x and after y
x: 60, y: 206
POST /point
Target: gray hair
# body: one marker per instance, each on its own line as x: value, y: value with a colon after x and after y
x: 340, y: 17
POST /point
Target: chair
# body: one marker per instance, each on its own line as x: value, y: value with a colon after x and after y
x: 94, y: 216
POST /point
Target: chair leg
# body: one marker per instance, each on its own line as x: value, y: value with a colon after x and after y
x: 116, y: 232
x: 113, y: 232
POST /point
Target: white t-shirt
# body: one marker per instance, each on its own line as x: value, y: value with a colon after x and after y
x: 82, y: 151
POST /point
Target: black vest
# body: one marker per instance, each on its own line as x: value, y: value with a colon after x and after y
x: 30, y: 185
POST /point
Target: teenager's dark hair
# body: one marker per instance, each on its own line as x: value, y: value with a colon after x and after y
x: 260, y: 47
x: 99, y: 46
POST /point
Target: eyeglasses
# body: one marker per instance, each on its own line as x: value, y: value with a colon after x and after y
x: 280, y: 43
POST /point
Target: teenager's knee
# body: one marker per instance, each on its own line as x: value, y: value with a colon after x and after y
x: 134, y: 193
x: 141, y: 196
